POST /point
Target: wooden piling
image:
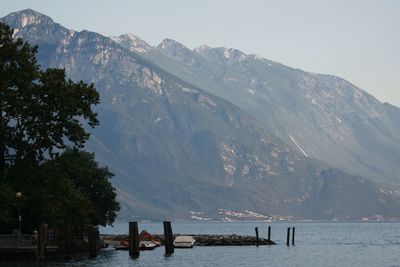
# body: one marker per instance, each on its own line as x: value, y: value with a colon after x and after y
x: 293, y: 229
x: 269, y: 233
x: 169, y: 238
x: 133, y: 240
x: 257, y: 238
x: 288, y: 237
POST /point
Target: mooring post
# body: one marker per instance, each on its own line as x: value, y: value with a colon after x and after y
x: 168, y: 237
x: 133, y: 240
x: 257, y: 239
x: 269, y: 233
x: 293, y: 229
x: 288, y: 237
x: 42, y: 241
x: 93, y: 241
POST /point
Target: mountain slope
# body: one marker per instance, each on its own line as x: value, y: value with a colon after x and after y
x: 321, y: 116
x: 178, y: 150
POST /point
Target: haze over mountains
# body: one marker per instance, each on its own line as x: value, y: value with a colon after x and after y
x: 322, y: 116
x: 195, y: 133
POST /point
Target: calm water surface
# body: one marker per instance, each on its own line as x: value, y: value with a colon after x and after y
x: 317, y: 244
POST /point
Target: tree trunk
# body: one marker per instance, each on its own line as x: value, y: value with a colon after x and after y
x: 67, y: 242
x: 2, y: 161
x: 2, y: 148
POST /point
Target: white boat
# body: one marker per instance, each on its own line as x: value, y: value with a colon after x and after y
x: 184, y: 241
x: 147, y: 245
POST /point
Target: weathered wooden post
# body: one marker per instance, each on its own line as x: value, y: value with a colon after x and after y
x: 93, y: 238
x: 168, y: 237
x: 269, y: 233
x: 133, y: 240
x: 257, y: 238
x: 42, y: 241
x: 293, y: 229
x: 288, y: 237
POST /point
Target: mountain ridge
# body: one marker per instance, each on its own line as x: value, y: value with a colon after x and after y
x: 274, y: 85
x: 177, y: 149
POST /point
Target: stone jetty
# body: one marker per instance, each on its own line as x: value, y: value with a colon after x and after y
x: 202, y: 240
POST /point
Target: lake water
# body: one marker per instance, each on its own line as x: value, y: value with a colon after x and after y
x: 317, y: 244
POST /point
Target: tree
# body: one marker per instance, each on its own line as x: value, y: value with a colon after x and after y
x: 77, y: 174
x: 42, y: 125
x: 7, y: 203
x: 41, y: 112
x: 70, y: 191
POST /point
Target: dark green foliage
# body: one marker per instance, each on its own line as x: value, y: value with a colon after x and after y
x: 7, y: 204
x: 76, y: 173
x: 40, y: 110
x: 24, y: 177
x: 41, y: 114
x: 68, y: 191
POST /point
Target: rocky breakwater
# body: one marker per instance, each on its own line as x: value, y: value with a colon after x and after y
x: 204, y: 240
x: 229, y: 240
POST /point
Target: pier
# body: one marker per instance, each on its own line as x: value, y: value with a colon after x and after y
x: 20, y: 246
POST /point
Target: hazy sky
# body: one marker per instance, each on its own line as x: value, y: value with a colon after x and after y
x: 358, y: 40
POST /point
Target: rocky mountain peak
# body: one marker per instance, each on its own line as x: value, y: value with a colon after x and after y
x: 170, y: 45
x: 28, y: 17
x: 229, y: 53
x: 201, y: 48
x: 36, y: 27
x: 133, y: 42
x: 221, y: 54
x: 174, y: 49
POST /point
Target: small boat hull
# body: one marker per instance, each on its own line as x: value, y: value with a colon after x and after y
x: 147, y: 245
x: 147, y: 242
x: 184, y: 242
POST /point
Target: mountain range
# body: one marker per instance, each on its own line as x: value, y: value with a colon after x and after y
x: 215, y: 134
x: 321, y: 116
